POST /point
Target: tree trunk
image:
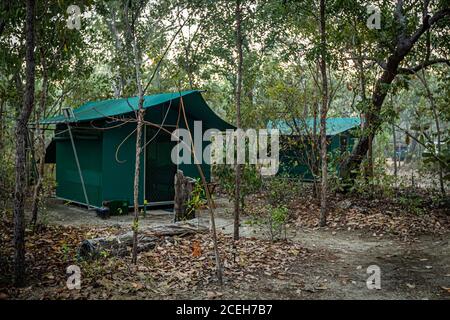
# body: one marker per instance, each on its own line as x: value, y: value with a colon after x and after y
x: 211, y: 205
x: 40, y: 180
x: 394, y: 138
x: 323, y: 118
x: 183, y: 192
x: 369, y: 172
x: 149, y: 237
x: 2, y: 105
x: 237, y: 191
x: 362, y: 78
x: 139, y: 124
x: 41, y: 144
x: 119, y: 81
x: 137, y: 170
x: 315, y: 151
x: 21, y: 134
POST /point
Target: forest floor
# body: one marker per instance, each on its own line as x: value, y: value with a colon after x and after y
x: 412, y: 251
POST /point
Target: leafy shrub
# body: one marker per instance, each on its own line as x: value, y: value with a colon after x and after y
x: 281, y: 189
x: 6, y: 177
x: 273, y: 222
x: 197, y: 199
x: 251, y: 180
x: 277, y: 219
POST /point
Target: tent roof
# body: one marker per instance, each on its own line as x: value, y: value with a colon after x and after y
x: 334, y: 125
x: 94, y: 110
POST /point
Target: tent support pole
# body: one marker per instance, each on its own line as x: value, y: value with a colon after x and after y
x: 78, y: 165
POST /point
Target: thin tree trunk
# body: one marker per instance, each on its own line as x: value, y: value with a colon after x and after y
x: 211, y: 205
x: 369, y: 172
x: 21, y: 133
x: 394, y: 137
x: 323, y: 118
x: 362, y: 78
x: 119, y: 81
x: 41, y: 172
x: 237, y: 191
x: 2, y: 104
x: 315, y: 151
x: 137, y: 166
x: 41, y: 144
x: 140, y: 120
x: 140, y: 113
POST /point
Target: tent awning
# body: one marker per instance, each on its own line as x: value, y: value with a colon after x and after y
x: 193, y: 101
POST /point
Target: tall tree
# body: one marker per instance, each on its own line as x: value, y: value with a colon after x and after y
x: 41, y: 142
x: 401, y: 45
x: 21, y: 136
x: 56, y: 48
x: 134, y: 10
x: 237, y: 196
x: 323, y: 115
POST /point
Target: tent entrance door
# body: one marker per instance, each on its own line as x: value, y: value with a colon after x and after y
x: 159, y: 168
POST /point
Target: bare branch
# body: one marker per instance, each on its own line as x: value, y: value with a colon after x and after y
x: 421, y: 66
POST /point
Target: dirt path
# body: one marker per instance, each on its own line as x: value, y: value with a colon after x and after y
x: 409, y: 270
x: 416, y: 270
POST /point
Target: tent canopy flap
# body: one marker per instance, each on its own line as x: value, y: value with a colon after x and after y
x: 95, y: 110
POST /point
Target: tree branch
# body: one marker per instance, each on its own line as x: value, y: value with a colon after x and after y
x: 427, y: 22
x: 421, y: 66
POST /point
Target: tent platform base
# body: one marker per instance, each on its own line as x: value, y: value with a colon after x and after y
x: 92, y: 207
x: 81, y: 204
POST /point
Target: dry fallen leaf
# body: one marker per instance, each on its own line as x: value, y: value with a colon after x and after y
x: 446, y: 289
x: 137, y: 286
x: 196, y: 249
x: 213, y: 294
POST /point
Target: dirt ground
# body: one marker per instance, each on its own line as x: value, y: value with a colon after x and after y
x: 414, y: 269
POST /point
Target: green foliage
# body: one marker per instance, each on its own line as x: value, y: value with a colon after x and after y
x: 435, y: 158
x: 48, y: 185
x: 6, y: 177
x: 412, y: 203
x: 251, y: 180
x: 336, y: 183
x: 273, y: 222
x: 282, y: 189
x: 273, y: 217
x: 67, y: 252
x: 135, y: 225
x: 197, y: 199
x: 278, y: 217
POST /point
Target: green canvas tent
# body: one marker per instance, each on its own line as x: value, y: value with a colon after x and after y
x: 295, y: 142
x: 104, y: 143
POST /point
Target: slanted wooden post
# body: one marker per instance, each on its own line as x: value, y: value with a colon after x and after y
x: 183, y: 192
